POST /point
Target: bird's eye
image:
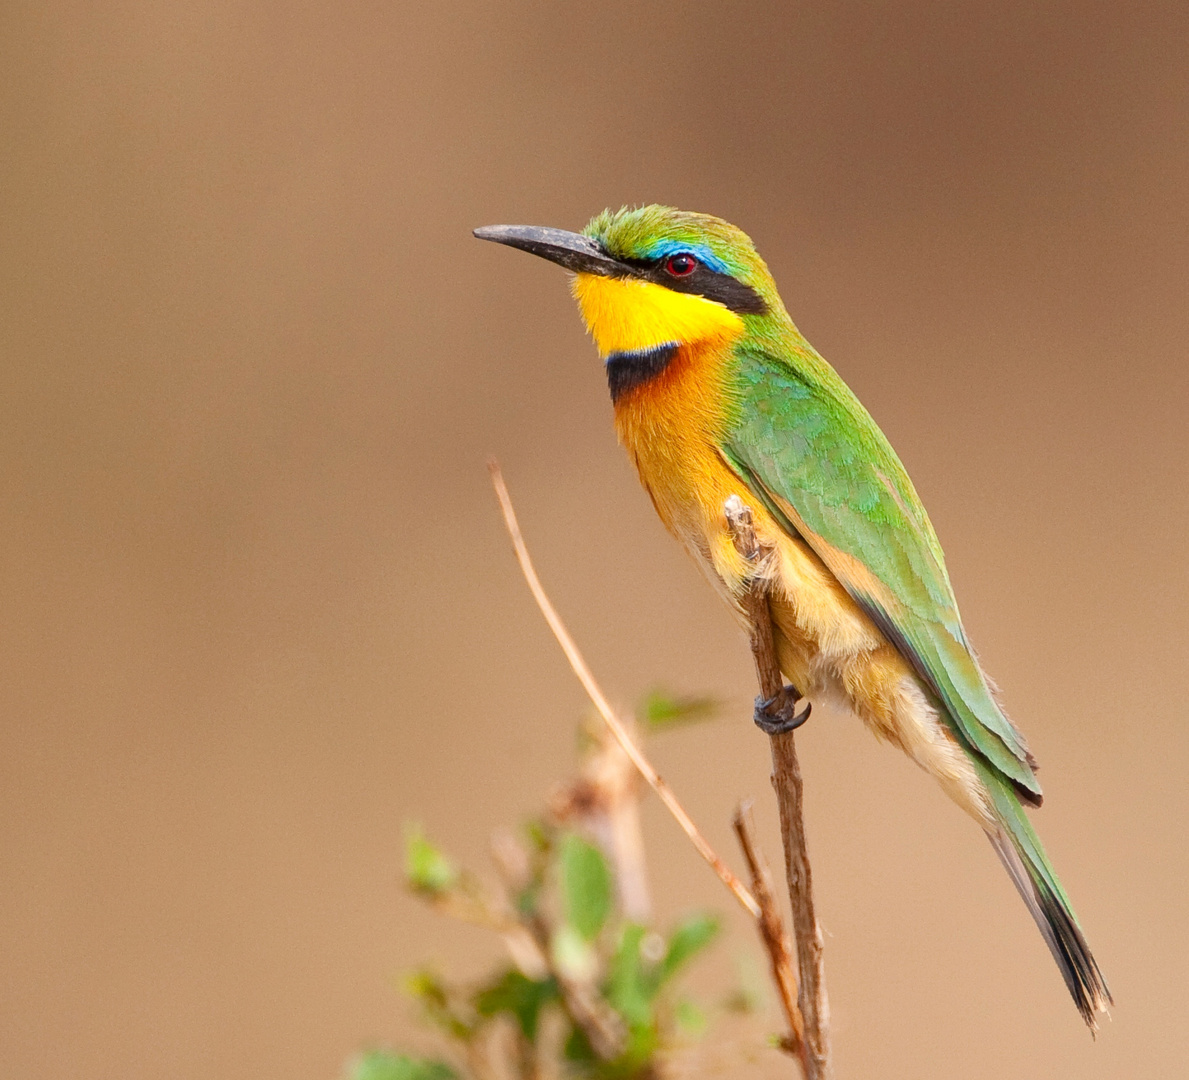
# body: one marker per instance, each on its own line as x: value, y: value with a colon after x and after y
x: 681, y: 265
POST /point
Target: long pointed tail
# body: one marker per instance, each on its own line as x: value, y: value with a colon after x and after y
x: 1020, y: 850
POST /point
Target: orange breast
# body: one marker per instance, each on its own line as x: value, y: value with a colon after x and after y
x: 672, y: 427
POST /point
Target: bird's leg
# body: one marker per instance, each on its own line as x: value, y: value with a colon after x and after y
x: 778, y: 714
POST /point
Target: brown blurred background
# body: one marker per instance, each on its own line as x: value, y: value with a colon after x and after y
x: 254, y: 579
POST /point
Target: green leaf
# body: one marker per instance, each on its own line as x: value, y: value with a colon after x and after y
x: 689, y: 1017
x: 578, y: 1050
x: 427, y: 870
x: 519, y: 996
x: 539, y: 834
x: 427, y: 988
x: 689, y: 939
x: 629, y: 991
x: 638, y: 1060
x: 382, y: 1065
x: 663, y: 710
x: 585, y: 885
x: 573, y: 956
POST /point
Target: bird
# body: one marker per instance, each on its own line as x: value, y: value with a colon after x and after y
x: 718, y: 396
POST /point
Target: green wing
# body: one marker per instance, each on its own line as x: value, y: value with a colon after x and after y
x: 811, y: 453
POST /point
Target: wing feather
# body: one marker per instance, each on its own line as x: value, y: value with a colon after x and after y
x: 814, y: 457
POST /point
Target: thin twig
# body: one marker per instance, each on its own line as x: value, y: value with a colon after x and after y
x: 786, y: 780
x: 772, y: 933
x: 738, y: 889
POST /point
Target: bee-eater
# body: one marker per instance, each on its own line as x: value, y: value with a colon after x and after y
x: 716, y: 393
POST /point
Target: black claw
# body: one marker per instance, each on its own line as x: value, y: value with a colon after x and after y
x: 779, y: 713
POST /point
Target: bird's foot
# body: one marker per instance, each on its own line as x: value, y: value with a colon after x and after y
x: 778, y: 714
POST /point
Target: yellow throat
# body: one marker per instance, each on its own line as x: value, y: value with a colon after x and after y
x: 626, y: 315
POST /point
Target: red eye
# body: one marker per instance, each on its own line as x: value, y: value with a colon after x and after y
x: 681, y: 265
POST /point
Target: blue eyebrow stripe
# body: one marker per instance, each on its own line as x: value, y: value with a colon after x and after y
x: 662, y: 249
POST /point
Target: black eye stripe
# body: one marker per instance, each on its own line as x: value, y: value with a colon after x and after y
x: 732, y: 293
x: 728, y: 291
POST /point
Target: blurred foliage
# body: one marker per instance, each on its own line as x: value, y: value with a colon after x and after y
x: 381, y: 1065
x: 585, y: 882
x: 427, y: 870
x: 586, y: 991
x: 596, y: 971
x: 660, y: 710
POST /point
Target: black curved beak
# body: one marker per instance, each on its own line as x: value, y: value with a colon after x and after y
x: 571, y: 250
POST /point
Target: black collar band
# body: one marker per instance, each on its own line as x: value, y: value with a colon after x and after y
x: 627, y: 370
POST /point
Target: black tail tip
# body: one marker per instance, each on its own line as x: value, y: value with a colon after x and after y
x: 1055, y: 919
x: 1079, y: 969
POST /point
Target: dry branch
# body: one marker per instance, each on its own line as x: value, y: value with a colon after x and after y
x: 786, y: 780
x: 771, y: 928
x: 643, y: 765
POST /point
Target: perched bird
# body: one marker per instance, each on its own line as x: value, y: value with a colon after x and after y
x: 717, y: 394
